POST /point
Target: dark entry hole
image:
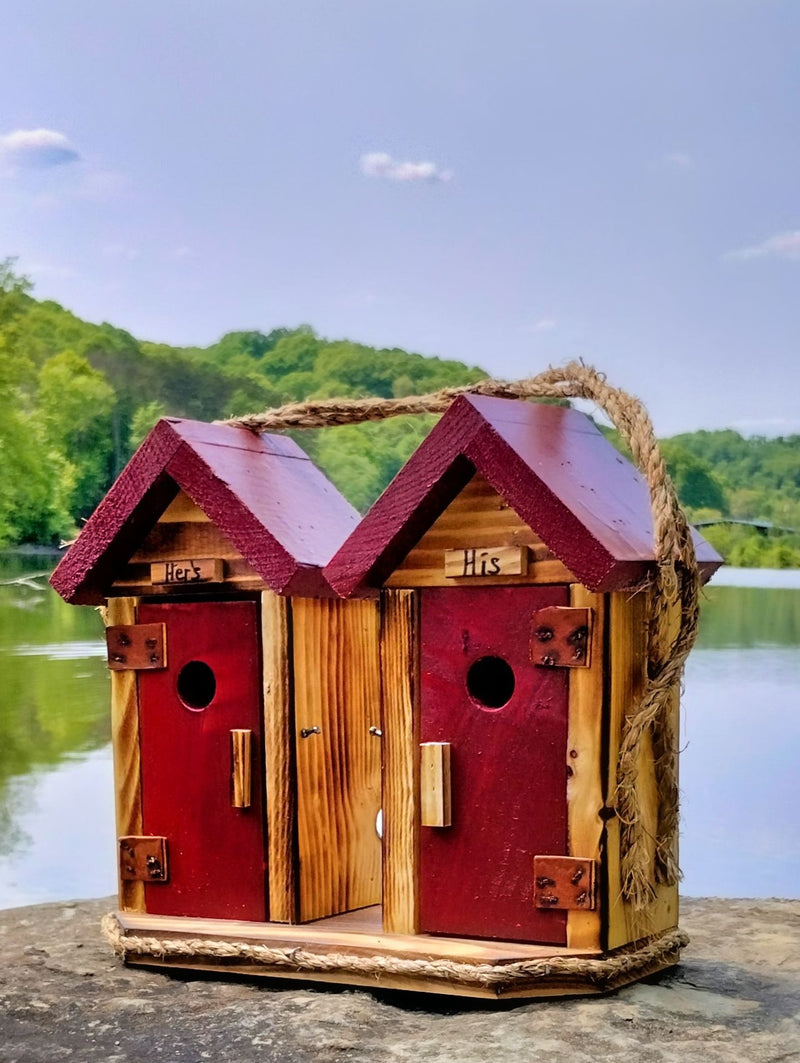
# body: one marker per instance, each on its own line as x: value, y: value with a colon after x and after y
x: 490, y: 681
x: 197, y: 685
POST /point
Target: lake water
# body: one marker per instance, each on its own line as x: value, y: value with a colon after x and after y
x: 740, y: 833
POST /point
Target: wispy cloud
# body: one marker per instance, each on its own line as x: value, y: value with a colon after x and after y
x: 380, y: 164
x: 781, y: 245
x: 544, y: 324
x: 37, y: 149
x: 679, y: 160
x: 178, y: 253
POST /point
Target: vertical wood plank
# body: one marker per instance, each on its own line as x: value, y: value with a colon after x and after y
x: 241, y: 767
x: 400, y: 725
x: 627, y: 641
x: 278, y: 740
x: 435, y: 795
x: 584, y: 763
x: 337, y: 701
x: 126, y: 753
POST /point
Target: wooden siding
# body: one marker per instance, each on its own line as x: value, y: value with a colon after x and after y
x: 280, y: 796
x: 184, y: 531
x: 400, y: 724
x: 585, y: 763
x: 477, y: 518
x: 126, y: 752
x: 628, y: 630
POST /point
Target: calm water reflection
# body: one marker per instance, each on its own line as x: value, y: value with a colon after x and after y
x: 740, y: 832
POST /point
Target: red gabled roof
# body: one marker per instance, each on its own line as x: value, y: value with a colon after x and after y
x: 551, y: 465
x: 263, y: 493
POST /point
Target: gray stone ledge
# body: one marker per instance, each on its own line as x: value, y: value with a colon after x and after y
x: 63, y: 995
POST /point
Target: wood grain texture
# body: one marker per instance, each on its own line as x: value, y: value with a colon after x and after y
x: 627, y: 644
x: 336, y: 689
x: 554, y: 469
x: 585, y: 763
x: 486, y: 561
x: 356, y: 932
x: 262, y: 493
x: 434, y: 784
x: 125, y: 747
x: 328, y: 938
x: 279, y: 743
x: 216, y: 852
x: 508, y: 753
x: 241, y: 767
x: 477, y: 518
x: 183, y: 531
x: 400, y: 726
x: 187, y: 571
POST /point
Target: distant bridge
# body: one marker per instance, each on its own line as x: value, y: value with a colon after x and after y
x: 763, y: 526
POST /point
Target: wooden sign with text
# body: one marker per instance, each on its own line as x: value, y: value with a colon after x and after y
x: 486, y: 561
x: 186, y: 571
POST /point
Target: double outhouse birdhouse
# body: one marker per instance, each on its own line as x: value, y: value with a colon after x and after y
x: 461, y: 661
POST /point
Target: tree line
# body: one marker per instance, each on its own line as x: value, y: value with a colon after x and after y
x: 77, y: 398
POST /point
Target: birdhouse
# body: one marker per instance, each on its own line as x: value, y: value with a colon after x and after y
x: 465, y: 659
x: 514, y: 556
x: 236, y: 673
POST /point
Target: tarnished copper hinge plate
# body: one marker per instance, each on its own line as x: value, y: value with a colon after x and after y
x: 564, y: 882
x: 561, y: 637
x: 143, y: 859
x: 137, y: 646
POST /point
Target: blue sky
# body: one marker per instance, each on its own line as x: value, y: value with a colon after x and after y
x: 508, y: 183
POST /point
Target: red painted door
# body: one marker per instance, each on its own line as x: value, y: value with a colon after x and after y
x: 187, y: 711
x: 506, y: 721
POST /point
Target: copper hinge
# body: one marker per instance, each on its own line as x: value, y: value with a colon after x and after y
x: 143, y: 859
x: 564, y: 882
x: 137, y: 646
x: 561, y: 637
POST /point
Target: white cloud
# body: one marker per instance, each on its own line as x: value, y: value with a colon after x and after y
x: 379, y: 164
x: 679, y: 160
x: 544, y: 324
x: 781, y: 245
x: 36, y: 149
x: 178, y: 253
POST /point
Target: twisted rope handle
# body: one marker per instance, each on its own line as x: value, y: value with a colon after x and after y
x: 676, y: 582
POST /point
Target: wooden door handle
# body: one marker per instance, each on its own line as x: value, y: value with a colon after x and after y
x: 434, y: 779
x: 241, y: 767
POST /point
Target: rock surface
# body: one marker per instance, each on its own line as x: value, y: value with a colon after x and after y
x: 63, y: 995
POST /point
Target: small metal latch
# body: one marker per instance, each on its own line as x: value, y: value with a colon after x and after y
x: 561, y: 637
x: 563, y: 882
x: 141, y: 647
x: 376, y: 732
x: 143, y: 859
x: 306, y: 732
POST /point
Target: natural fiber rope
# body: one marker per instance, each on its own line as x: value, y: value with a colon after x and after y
x: 676, y: 583
x: 597, y: 971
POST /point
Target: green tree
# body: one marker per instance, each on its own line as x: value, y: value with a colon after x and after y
x: 75, y: 406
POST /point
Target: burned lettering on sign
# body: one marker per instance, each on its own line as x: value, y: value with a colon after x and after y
x: 489, y: 561
x: 187, y: 571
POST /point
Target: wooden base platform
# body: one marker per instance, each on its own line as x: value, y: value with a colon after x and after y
x: 352, y: 950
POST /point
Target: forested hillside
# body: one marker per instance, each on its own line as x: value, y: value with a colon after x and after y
x: 76, y: 399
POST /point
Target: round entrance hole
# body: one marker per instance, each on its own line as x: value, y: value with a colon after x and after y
x: 197, y: 685
x: 490, y: 682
